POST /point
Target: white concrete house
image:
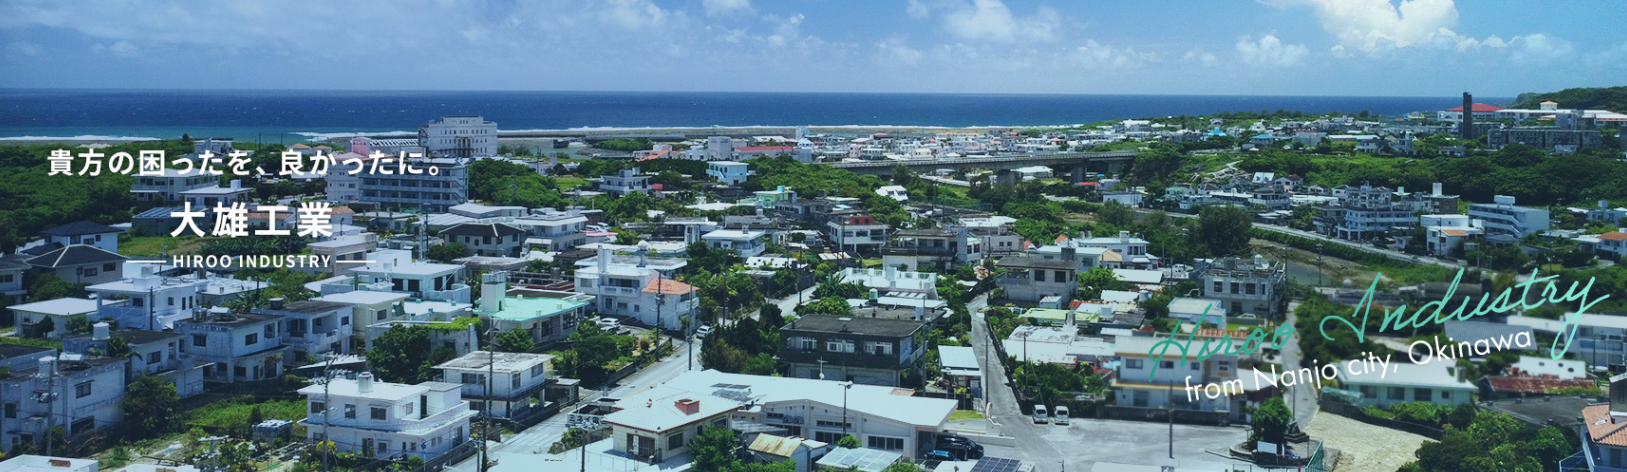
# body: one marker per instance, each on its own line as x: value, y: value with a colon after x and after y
x: 748, y: 243
x: 383, y: 419
x: 1437, y: 382
x: 516, y: 380
x: 84, y: 232
x: 236, y: 346
x: 638, y: 287
x: 87, y: 393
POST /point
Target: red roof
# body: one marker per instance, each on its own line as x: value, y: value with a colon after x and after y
x: 1614, y: 236
x: 763, y: 148
x: 1089, y: 184
x: 1479, y: 108
x: 667, y: 287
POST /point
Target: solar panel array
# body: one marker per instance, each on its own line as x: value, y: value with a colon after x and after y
x: 996, y: 464
x: 861, y: 458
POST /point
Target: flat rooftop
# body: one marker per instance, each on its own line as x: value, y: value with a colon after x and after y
x: 522, y: 309
x: 508, y: 362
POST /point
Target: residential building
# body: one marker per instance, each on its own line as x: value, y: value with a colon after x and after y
x: 897, y: 288
x: 12, y: 269
x: 547, y: 316
x: 1613, y: 243
x: 236, y: 346
x: 28, y: 317
x: 1244, y: 286
x: 728, y: 172
x: 1146, y: 382
x: 1598, y: 339
x: 421, y: 279
x: 1364, y: 213
x: 1193, y: 310
x: 166, y: 186
x: 382, y: 419
x: 895, y: 192
x: 487, y: 239
x: 772, y: 199
x: 1604, y: 447
x: 148, y: 301
x: 346, y: 252
x: 1606, y: 214
x: 939, y: 249
x: 624, y: 182
x: 1131, y: 246
x: 1441, y: 383
x: 81, y: 264
x: 1501, y: 217
x: 1029, y: 279
x: 1545, y: 138
x: 87, y: 393
x: 873, y: 351
x: 431, y: 191
x: 639, y: 287
x: 995, y: 232
x: 1444, y: 234
x: 479, y: 211
x: 151, y: 353
x: 516, y: 380
x: 84, y: 232
x: 313, y: 328
x: 33, y: 463
x: 1477, y: 110
x: 859, y: 234
x: 554, y: 230
x: 461, y: 136
x: 207, y: 198
x: 878, y: 416
x: 748, y: 243
x: 656, y: 424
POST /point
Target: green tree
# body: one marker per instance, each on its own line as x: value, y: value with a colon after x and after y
x: 1270, y: 422
x: 902, y: 466
x: 401, y: 355
x: 848, y: 442
x: 151, y: 403
x: 79, y: 325
x: 514, y: 340
x: 714, y: 449
x: 828, y: 306
x: 1223, y: 230
x: 445, y: 253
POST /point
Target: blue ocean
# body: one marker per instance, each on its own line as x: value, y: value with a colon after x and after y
x: 291, y: 116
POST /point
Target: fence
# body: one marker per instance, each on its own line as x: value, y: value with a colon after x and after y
x: 1356, y: 413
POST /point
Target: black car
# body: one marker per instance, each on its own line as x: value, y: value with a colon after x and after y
x: 960, y: 447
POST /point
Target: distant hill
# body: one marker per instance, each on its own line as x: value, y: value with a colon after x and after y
x: 1589, y: 98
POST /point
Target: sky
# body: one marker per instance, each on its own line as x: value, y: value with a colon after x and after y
x: 1211, y: 47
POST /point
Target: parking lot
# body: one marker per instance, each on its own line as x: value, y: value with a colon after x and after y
x: 1087, y: 441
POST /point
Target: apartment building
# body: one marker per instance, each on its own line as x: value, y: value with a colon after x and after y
x: 80, y: 395
x: 313, y: 328
x: 746, y: 243
x: 1032, y: 280
x: 553, y: 230
x: 939, y: 249
x: 728, y: 172
x: 1133, y: 387
x: 872, y: 351
x: 625, y: 182
x: 427, y: 192
x: 151, y: 353
x: 418, y: 278
x: 487, y: 239
x: 857, y: 234
x: 461, y: 136
x: 638, y: 287
x: 84, y: 232
x: 1501, y: 217
x: 166, y: 186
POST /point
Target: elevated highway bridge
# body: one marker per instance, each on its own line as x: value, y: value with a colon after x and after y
x: 1074, y: 164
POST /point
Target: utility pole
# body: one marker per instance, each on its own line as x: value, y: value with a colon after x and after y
x: 49, y: 399
x: 1169, y: 401
x: 152, y: 319
x: 485, y: 427
x: 327, y: 406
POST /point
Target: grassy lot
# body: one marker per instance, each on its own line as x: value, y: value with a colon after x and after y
x: 233, y: 414
x: 873, y: 262
x: 150, y: 246
x: 963, y: 415
x: 567, y: 182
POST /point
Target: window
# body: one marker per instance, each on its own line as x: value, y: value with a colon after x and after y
x: 108, y: 267
x: 1446, y: 394
x: 539, y: 370
x: 1249, y: 289
x: 90, y: 272
x: 1132, y: 363
x: 675, y: 441
x: 1235, y: 287
x: 383, y: 447
x: 514, y: 380
x: 886, y: 443
x: 832, y: 424
x: 1194, y: 366
x: 1061, y: 276
x: 1168, y: 365
x: 806, y: 344
x: 474, y: 379
x: 380, y: 413
x: 155, y: 357
x: 271, y: 331
x: 827, y: 438
x: 1398, y: 393
x: 138, y: 302
x: 1224, y: 367
x: 1039, y: 276
x: 251, y: 339
x: 318, y: 407
x: 1218, y: 286
x: 171, y: 301
x: 350, y: 411
x: 11, y: 410
x: 881, y: 349
x: 839, y: 346
x: 82, y: 390
x: 7, y: 278
x: 1421, y: 394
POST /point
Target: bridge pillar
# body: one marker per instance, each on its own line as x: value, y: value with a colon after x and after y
x: 1079, y: 173
x: 1005, y: 177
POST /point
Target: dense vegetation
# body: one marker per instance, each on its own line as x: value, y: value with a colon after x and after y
x: 1495, y: 441
x: 1588, y: 98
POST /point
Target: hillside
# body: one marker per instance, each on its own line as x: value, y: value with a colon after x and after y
x: 1590, y: 98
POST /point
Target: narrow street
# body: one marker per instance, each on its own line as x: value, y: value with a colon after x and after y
x: 1005, y: 416
x: 1301, y: 398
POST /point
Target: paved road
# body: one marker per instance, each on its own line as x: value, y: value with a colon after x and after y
x: 1301, y: 398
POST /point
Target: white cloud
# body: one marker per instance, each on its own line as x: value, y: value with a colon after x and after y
x: 991, y: 20
x: 1270, y: 51
x: 1375, y: 26
x: 896, y: 51
x: 1199, y: 56
x: 719, y: 7
x: 918, y: 10
x: 1539, y: 47
x: 1095, y: 55
x: 1613, y: 57
x: 25, y: 48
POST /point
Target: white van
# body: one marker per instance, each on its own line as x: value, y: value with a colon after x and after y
x: 1061, y: 415
x: 1041, y: 415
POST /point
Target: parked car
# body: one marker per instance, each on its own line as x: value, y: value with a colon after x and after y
x: 702, y: 331
x: 1061, y: 415
x: 961, y: 447
x: 1041, y: 415
x: 939, y: 455
x: 609, y: 324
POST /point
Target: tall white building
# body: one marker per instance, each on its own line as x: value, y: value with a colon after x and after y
x: 459, y: 136
x: 87, y: 393
x: 1502, y: 217
x: 384, y: 419
x: 637, y: 286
